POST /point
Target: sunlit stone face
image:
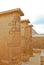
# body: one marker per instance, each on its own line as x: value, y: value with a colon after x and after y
x: 15, y: 39
x: 26, y: 40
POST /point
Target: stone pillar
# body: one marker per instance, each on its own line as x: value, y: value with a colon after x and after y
x: 29, y: 42
x: 24, y: 24
x: 25, y: 40
x: 14, y: 44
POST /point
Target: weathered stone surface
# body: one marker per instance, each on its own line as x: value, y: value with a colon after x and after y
x: 37, y: 51
x: 38, y: 42
x: 42, y: 60
x: 30, y: 39
x: 26, y: 34
x: 14, y: 44
x: 15, y: 38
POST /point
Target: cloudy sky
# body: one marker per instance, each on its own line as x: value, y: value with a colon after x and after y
x: 33, y: 10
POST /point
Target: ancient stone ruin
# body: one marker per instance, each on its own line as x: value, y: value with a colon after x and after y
x: 15, y: 38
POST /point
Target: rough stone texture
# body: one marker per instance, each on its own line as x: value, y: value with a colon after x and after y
x: 14, y: 44
x: 30, y: 39
x: 42, y: 60
x: 25, y: 42
x: 38, y: 42
x: 4, y: 29
x: 42, y: 56
x: 37, y: 51
x: 10, y: 37
x: 14, y: 38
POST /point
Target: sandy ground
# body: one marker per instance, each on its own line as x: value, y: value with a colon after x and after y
x: 34, y: 60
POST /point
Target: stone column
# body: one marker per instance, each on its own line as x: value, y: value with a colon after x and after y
x: 25, y: 40
x: 14, y: 44
x: 29, y: 42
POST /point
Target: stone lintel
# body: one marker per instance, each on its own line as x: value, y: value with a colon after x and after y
x: 17, y: 10
x: 25, y: 21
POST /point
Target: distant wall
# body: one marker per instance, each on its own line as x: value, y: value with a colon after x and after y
x: 38, y: 42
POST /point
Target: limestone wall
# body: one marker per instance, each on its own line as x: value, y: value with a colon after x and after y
x: 7, y: 42
x: 26, y: 34
x: 15, y: 38
x: 38, y: 42
x: 4, y: 30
